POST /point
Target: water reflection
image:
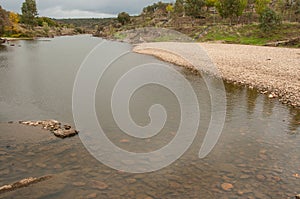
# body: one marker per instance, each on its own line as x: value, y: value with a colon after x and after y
x: 252, y: 96
x: 3, y: 48
x: 294, y: 123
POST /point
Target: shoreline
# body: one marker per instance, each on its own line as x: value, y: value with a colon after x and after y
x: 273, y: 71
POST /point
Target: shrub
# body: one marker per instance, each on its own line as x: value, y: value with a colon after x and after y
x: 269, y: 20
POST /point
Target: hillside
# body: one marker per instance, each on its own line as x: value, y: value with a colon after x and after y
x: 209, y: 25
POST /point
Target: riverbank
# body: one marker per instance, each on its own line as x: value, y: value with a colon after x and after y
x: 273, y: 71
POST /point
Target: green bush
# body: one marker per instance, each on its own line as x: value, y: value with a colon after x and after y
x: 123, y: 18
x: 269, y: 20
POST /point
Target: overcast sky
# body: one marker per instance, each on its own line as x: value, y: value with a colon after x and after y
x: 82, y: 8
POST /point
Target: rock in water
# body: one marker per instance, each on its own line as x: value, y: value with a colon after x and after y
x: 99, y: 185
x: 65, y: 133
x: 23, y: 183
x: 59, y: 130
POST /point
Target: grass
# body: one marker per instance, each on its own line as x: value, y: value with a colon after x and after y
x: 251, y: 34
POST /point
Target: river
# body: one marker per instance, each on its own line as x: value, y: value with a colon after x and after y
x: 257, y: 155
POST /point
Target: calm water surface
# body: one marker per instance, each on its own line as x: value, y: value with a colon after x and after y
x: 258, y: 152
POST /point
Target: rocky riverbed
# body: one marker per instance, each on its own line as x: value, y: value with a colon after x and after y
x: 35, y: 164
x: 273, y: 71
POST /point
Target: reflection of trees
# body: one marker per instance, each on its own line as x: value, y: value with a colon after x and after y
x: 234, y: 93
x: 252, y: 95
x: 295, y: 119
x: 3, y: 48
x: 268, y: 106
x: 3, y: 57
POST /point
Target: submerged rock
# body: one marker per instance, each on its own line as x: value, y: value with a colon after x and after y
x: 59, y: 130
x: 23, y: 183
x: 227, y: 186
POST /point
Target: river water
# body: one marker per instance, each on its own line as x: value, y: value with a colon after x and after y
x: 257, y: 155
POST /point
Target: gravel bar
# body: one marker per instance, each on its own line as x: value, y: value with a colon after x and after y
x: 273, y: 71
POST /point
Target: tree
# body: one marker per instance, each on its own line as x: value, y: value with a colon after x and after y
x: 154, y: 7
x: 210, y: 3
x: 261, y: 5
x: 123, y: 18
x: 231, y: 8
x: 194, y: 7
x: 179, y: 7
x: 14, y: 19
x: 296, y: 9
x: 29, y: 12
x: 4, y: 20
x: 170, y: 9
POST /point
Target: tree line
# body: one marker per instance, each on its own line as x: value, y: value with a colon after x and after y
x: 269, y: 13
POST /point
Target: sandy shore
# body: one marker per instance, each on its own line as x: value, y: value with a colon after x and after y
x: 274, y: 71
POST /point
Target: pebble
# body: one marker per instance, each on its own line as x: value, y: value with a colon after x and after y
x: 174, y: 185
x: 42, y: 165
x: 131, y: 181
x: 91, y: 196
x: 99, y: 185
x: 131, y: 193
x: 227, y: 186
x: 276, y: 178
x: 124, y: 141
x: 79, y: 184
x: 57, y: 166
x: 260, y: 177
x: 245, y: 176
x: 257, y: 72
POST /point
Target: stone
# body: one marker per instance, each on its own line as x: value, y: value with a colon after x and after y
x: 260, y: 177
x: 65, y: 133
x: 54, y: 126
x: 91, y: 196
x: 296, y: 175
x: 131, y: 181
x: 227, y: 186
x: 131, y: 193
x: 57, y: 166
x: 245, y: 176
x: 41, y: 165
x: 240, y: 193
x: 79, y: 184
x: 22, y: 183
x: 174, y: 185
x: 67, y: 127
x: 276, y: 178
x: 99, y: 185
x: 124, y: 141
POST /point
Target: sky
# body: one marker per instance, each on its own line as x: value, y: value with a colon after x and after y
x: 82, y: 8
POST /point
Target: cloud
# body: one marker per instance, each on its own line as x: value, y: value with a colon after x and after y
x: 82, y: 8
x: 58, y: 12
